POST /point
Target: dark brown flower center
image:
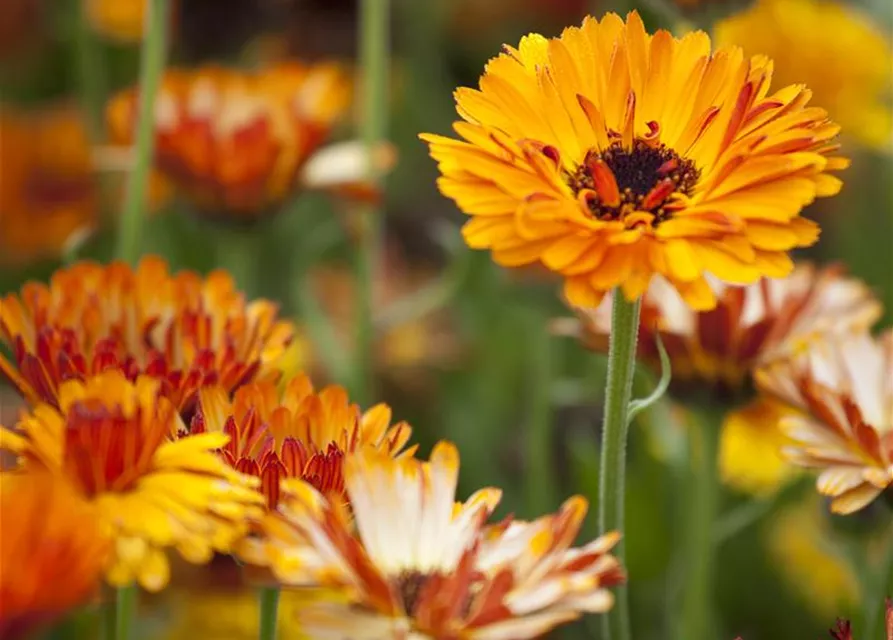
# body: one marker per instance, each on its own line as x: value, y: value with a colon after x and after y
x: 409, y: 586
x: 617, y: 181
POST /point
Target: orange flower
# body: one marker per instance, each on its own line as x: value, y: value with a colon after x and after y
x: 48, y: 194
x: 302, y: 434
x: 611, y: 155
x: 410, y: 562
x: 116, y: 443
x: 52, y: 552
x: 240, y: 144
x: 844, y: 387
x: 120, y: 20
x: 185, y: 330
x: 750, y: 326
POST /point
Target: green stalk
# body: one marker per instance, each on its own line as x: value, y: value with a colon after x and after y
x: 612, y: 478
x: 540, y: 472
x: 108, y: 620
x: 374, y: 48
x: 238, y: 251
x: 151, y: 70
x: 875, y: 596
x: 89, y: 67
x: 703, y: 495
x: 269, y: 612
x: 125, y: 608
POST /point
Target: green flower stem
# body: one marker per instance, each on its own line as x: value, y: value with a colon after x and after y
x: 875, y: 594
x: 125, y: 610
x: 703, y: 496
x: 107, y: 616
x: 269, y: 612
x: 374, y: 47
x: 621, y: 366
x: 540, y: 470
x: 90, y: 72
x: 152, y: 67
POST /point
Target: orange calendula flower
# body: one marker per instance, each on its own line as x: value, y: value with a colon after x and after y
x: 302, y: 434
x: 413, y: 563
x: 610, y: 155
x: 770, y: 320
x: 849, y: 73
x: 116, y: 443
x: 52, y: 552
x: 845, y: 389
x: 716, y: 352
x: 240, y: 144
x: 48, y: 194
x: 185, y: 330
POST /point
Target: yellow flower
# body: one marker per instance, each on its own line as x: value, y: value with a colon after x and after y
x: 185, y: 330
x: 610, y: 155
x: 240, y: 144
x: 48, y: 194
x: 849, y: 72
x: 750, y: 443
x: 844, y: 387
x: 52, y: 551
x: 301, y: 433
x: 800, y: 543
x: 116, y: 443
x: 413, y: 563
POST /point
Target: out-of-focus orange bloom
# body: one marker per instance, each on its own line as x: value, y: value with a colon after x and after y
x: 239, y: 144
x: 750, y: 326
x: 182, y: 329
x: 48, y: 192
x: 52, y: 551
x: 302, y: 434
x: 120, y: 20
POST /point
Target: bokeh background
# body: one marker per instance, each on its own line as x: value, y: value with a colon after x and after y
x: 462, y: 347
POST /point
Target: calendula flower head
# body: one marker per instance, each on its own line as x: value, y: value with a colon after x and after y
x: 184, y: 330
x: 610, y: 155
x: 751, y: 326
x: 52, y: 550
x: 48, y: 195
x: 300, y: 433
x: 239, y: 144
x: 413, y: 563
x: 844, y: 387
x: 714, y: 353
x: 849, y: 73
x: 115, y: 442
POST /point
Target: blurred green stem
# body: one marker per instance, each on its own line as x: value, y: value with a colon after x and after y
x: 876, y: 593
x: 540, y: 472
x: 125, y: 608
x: 151, y: 69
x: 269, y: 612
x: 703, y: 498
x: 374, y: 47
x: 90, y: 69
x: 107, y: 615
x: 612, y: 478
